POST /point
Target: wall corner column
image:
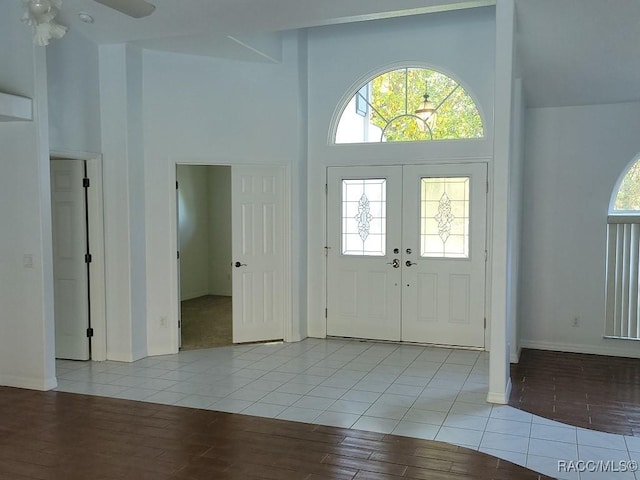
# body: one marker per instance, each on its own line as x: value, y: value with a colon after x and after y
x: 499, y: 380
x: 123, y: 175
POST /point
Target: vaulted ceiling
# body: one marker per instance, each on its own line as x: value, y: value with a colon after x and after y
x: 571, y: 52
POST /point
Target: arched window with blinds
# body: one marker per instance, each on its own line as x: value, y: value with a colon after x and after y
x: 623, y: 257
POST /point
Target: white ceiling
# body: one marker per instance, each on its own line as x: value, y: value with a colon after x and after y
x: 572, y: 52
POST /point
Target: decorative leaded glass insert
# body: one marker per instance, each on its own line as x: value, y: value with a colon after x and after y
x: 444, y: 217
x: 364, y: 212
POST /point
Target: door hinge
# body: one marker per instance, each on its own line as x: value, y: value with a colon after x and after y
x: 176, y: 185
x: 179, y: 324
x: 326, y: 312
x: 178, y: 254
x: 485, y: 323
x: 86, y: 182
x: 326, y: 251
x: 89, y: 332
x: 487, y: 186
x: 87, y: 258
x: 326, y: 188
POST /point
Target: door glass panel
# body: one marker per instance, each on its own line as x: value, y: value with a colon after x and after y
x: 444, y: 217
x: 364, y: 212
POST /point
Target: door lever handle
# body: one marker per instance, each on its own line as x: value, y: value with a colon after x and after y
x: 395, y: 263
x: 408, y: 263
x: 238, y: 264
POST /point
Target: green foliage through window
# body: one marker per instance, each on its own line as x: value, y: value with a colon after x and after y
x: 628, y: 197
x: 393, y: 99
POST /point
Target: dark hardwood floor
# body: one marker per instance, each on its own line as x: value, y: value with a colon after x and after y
x: 61, y: 436
x: 591, y: 391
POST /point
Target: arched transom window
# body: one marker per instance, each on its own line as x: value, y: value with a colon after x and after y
x: 409, y: 104
x: 628, y: 196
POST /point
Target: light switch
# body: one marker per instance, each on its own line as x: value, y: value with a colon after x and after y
x: 27, y: 260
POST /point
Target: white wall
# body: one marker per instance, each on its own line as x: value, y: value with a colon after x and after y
x: 341, y: 58
x: 74, y: 95
x: 193, y: 215
x: 134, y: 138
x: 204, y: 111
x: 219, y: 247
x: 124, y: 201
x: 26, y: 294
x: 573, y: 157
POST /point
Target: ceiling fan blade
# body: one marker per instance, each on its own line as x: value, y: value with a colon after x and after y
x: 133, y: 8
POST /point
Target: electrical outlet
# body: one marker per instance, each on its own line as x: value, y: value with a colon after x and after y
x: 163, y: 321
x: 575, y: 322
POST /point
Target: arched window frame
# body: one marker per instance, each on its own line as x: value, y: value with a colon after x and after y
x: 616, y: 190
x: 373, y: 74
x: 622, y: 281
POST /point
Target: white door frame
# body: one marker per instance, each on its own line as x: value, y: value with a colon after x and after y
x: 95, y: 210
x: 488, y: 232
x: 173, y: 226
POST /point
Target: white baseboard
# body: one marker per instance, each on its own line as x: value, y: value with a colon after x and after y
x: 220, y: 293
x: 29, y: 383
x: 119, y: 357
x: 139, y: 355
x: 501, y: 398
x: 191, y: 296
x: 156, y: 352
x: 515, y: 356
x: 295, y: 337
x: 127, y: 357
x: 618, y: 348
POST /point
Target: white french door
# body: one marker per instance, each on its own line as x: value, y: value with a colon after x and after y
x: 443, y: 274
x: 363, y: 226
x: 406, y: 256
x: 258, y: 253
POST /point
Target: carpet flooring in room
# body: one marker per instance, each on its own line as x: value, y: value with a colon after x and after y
x: 206, y: 322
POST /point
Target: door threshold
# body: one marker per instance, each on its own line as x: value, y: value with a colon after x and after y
x: 405, y: 343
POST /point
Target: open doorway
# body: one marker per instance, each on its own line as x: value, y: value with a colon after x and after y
x: 204, y: 234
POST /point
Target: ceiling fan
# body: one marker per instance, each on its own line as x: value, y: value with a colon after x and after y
x: 133, y: 8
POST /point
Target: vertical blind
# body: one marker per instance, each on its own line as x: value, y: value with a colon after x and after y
x: 623, y: 267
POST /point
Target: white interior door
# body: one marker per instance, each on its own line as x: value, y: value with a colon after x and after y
x: 443, y: 275
x: 364, y: 242
x: 71, y: 287
x: 406, y: 256
x: 258, y: 253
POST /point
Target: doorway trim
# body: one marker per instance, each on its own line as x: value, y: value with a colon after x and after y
x: 287, y: 321
x: 95, y: 210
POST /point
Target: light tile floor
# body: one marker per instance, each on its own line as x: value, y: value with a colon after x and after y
x: 423, y: 392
